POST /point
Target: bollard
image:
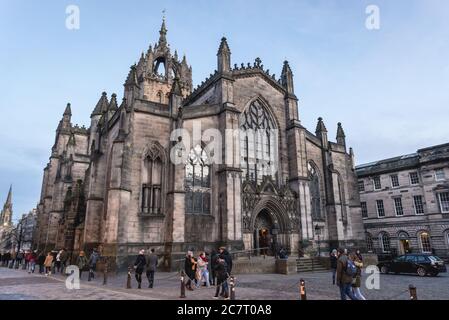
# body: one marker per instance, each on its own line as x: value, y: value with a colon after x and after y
x: 413, y: 295
x: 183, y: 285
x: 232, y: 281
x: 105, y: 273
x: 128, y: 282
x: 302, y: 289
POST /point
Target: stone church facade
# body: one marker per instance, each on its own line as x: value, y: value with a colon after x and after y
x: 132, y: 180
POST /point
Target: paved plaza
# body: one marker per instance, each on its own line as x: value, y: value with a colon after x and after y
x: 19, y: 285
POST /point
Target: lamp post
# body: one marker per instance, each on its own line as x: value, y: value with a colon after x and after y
x: 318, y: 233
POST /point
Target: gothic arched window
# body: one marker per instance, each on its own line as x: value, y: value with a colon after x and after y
x: 258, y: 143
x: 197, y: 182
x: 152, y: 184
x: 315, y: 195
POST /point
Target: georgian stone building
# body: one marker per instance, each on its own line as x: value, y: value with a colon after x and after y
x: 118, y: 184
x: 405, y: 202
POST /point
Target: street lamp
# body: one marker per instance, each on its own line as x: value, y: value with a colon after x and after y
x: 318, y: 233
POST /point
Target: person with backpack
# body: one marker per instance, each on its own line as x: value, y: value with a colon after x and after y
x: 357, y: 282
x: 346, y: 271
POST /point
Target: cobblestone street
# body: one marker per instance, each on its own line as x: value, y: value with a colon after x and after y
x: 19, y: 285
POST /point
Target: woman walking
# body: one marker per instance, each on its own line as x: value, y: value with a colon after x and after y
x: 190, y: 269
x: 81, y: 262
x: 357, y: 283
x: 203, y: 263
x: 47, y: 263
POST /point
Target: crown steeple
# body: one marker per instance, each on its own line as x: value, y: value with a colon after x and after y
x: 163, y: 34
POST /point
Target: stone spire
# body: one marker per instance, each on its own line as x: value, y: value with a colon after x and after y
x: 68, y: 110
x: 287, y: 78
x: 113, y: 104
x: 6, y: 214
x: 163, y: 34
x: 224, y: 57
x: 321, y: 132
x: 341, y: 137
x: 102, y: 106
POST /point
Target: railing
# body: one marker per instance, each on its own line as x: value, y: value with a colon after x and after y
x: 250, y: 252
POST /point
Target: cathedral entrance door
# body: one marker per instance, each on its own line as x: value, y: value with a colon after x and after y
x: 262, y: 233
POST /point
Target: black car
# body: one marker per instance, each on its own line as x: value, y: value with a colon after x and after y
x: 421, y: 264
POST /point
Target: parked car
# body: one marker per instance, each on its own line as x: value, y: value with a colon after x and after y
x: 421, y: 264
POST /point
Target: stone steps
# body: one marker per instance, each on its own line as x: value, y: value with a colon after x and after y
x: 309, y: 265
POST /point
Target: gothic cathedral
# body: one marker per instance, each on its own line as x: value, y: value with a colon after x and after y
x: 116, y: 186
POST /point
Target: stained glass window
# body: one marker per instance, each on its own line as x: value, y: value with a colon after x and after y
x: 197, y: 182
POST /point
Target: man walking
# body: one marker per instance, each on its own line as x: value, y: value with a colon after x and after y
x: 345, y: 274
x: 63, y: 256
x: 93, y: 259
x: 139, y: 265
x: 151, y: 267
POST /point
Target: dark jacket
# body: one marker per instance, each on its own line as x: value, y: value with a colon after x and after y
x: 228, y: 259
x: 221, y: 270
x: 41, y: 259
x: 93, y: 259
x: 81, y: 262
x: 152, y: 262
x: 63, y: 256
x: 189, y: 267
x: 342, y: 277
x: 140, y: 263
x: 333, y: 262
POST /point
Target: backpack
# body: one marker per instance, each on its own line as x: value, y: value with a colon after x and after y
x: 351, y: 269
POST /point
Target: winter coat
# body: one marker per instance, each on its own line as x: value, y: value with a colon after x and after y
x: 32, y: 258
x: 333, y: 262
x: 221, y: 270
x: 152, y: 262
x: 48, y: 261
x: 190, y: 267
x: 228, y: 259
x: 63, y: 256
x: 81, y: 262
x: 93, y: 259
x: 41, y: 260
x: 342, y: 276
x: 140, y: 263
x: 358, y: 276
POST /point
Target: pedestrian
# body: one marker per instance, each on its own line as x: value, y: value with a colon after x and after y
x: 27, y: 257
x: 53, y: 266
x: 213, y: 261
x: 359, y: 255
x: 82, y: 262
x: 333, y: 263
x: 139, y: 265
x: 93, y: 259
x: 203, y: 271
x: 357, y: 281
x: 224, y: 254
x: 32, y: 261
x: 346, y: 271
x: 41, y: 262
x: 58, y: 262
x: 63, y: 257
x: 47, y: 263
x: 19, y: 258
x: 190, y: 269
x: 222, y: 279
x: 152, y: 262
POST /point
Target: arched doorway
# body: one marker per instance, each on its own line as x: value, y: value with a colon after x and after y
x: 404, y: 243
x: 264, y: 239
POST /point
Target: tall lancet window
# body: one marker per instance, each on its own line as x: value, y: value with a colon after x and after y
x: 153, y: 182
x: 197, y: 182
x: 258, y: 143
x: 315, y: 196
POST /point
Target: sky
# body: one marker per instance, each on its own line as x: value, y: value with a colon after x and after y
x: 389, y: 87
